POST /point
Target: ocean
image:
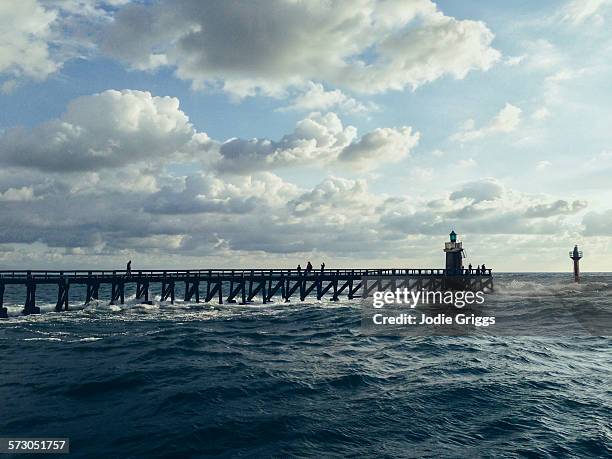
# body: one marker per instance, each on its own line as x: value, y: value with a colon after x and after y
x: 300, y: 379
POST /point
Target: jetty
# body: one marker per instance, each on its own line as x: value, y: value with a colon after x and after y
x: 245, y: 285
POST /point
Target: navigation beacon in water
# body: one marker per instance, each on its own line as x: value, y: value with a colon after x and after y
x: 576, y: 255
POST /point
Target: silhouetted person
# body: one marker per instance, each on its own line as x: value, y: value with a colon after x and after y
x: 470, y: 268
x: 478, y: 270
x: 322, y: 267
x: 128, y: 268
x: 484, y: 269
x: 299, y: 268
x: 309, y: 267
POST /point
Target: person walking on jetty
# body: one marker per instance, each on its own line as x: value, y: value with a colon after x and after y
x: 322, y: 266
x: 299, y: 269
x: 483, y: 269
x: 470, y: 268
x: 478, y: 270
x: 309, y: 267
x: 128, y: 269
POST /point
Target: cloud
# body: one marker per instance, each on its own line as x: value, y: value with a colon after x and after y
x: 25, y: 32
x: 140, y: 129
x: 483, y: 207
x: 266, y: 46
x: 541, y: 165
x: 482, y: 190
x: 195, y: 215
x: 507, y: 120
x: 130, y: 197
x: 541, y: 114
x: 317, y: 140
x: 24, y: 193
x: 180, y: 218
x: 205, y: 193
x: 543, y: 55
x: 597, y: 223
x: 556, y: 85
x: 8, y: 86
x: 135, y: 127
x: 382, y: 145
x: 316, y: 98
x: 579, y: 11
x: 335, y: 199
x: 468, y: 162
x: 559, y: 207
x: 93, y: 9
x: 511, y: 61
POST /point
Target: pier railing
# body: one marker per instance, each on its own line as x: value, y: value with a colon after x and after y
x: 54, y: 275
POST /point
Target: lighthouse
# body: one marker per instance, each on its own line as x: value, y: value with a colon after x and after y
x: 576, y: 255
x: 454, y: 255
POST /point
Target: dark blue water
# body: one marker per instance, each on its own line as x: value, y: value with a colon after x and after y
x: 301, y: 380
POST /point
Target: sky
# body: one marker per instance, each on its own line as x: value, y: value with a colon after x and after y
x: 264, y: 133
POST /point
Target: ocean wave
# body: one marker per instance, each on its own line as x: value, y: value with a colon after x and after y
x: 534, y: 288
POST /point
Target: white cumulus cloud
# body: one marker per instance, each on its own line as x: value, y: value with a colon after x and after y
x: 105, y: 130
x: 25, y: 30
x: 318, y: 139
x: 507, y: 120
x: 317, y: 98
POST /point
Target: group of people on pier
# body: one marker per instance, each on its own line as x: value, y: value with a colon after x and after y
x: 309, y: 268
x: 480, y: 270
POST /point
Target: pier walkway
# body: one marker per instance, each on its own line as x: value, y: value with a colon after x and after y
x: 238, y: 285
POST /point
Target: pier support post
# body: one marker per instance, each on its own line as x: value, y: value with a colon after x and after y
x: 270, y: 291
x: 93, y: 288
x: 117, y: 290
x: 3, y: 310
x: 142, y: 291
x: 167, y: 291
x: 350, y: 290
x: 283, y: 289
x: 30, y: 304
x: 250, y: 296
x: 63, y: 289
x: 192, y: 288
x: 287, y: 289
x: 214, y: 288
x: 335, y: 287
x: 234, y: 291
x: 302, y: 289
x: 230, y: 298
x: 354, y: 290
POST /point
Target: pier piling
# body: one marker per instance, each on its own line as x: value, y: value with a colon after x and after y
x: 30, y: 302
x: 63, y: 288
x: 3, y: 310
